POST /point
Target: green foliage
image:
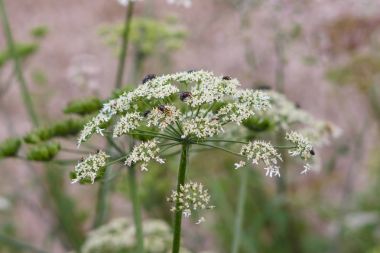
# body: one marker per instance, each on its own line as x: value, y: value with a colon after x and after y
x: 39, y: 32
x: 69, y: 219
x: 43, y: 152
x: 84, y: 106
x: 258, y: 124
x: 23, y: 50
x: 9, y: 147
x: 361, y: 71
x: 148, y: 36
x: 64, y: 128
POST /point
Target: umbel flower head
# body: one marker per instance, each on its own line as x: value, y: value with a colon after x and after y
x: 261, y: 151
x: 192, y: 197
x: 90, y: 168
x: 193, y: 107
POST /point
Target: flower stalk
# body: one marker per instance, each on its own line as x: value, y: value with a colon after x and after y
x: 240, y: 210
x: 25, y: 93
x: 136, y: 208
x: 178, y: 213
x: 124, y: 45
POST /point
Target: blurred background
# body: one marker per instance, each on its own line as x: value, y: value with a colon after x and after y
x: 323, y: 55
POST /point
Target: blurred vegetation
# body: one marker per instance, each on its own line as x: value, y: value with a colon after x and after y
x: 273, y: 221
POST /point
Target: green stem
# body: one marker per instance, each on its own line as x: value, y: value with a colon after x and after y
x: 178, y: 213
x: 124, y: 45
x: 102, y: 199
x: 240, y: 211
x: 104, y: 188
x: 17, y: 66
x: 18, y: 245
x: 136, y: 209
x: 231, y: 141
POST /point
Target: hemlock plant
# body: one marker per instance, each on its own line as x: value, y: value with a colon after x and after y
x: 177, y: 112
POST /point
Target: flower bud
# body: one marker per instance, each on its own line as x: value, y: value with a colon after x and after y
x: 9, y: 147
x: 83, y: 107
x: 44, y: 152
x: 60, y: 129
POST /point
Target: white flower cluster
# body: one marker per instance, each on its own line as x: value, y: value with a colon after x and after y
x: 88, y: 169
x: 205, y: 90
x: 94, y: 126
x: 185, y: 3
x: 303, y: 147
x: 201, y: 127
x: 248, y: 103
x: 260, y: 151
x: 191, y: 197
x: 163, y: 116
x: 145, y: 152
x: 128, y: 122
x: 119, y: 236
x: 284, y: 113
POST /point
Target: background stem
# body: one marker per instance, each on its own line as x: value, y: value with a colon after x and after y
x: 178, y: 213
x: 240, y: 210
x: 102, y: 199
x: 17, y: 66
x: 19, y: 245
x: 104, y: 188
x: 124, y: 45
x: 136, y: 209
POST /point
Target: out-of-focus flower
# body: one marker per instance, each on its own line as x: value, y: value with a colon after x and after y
x: 119, y: 236
x: 5, y: 204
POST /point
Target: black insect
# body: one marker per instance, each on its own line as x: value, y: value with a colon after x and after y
x: 312, y: 152
x: 146, y: 113
x: 192, y: 71
x: 184, y: 95
x: 226, y: 78
x: 162, y: 108
x: 148, y: 78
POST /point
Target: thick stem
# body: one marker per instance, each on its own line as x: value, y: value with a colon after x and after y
x: 124, y: 45
x: 240, y: 211
x: 178, y: 213
x: 136, y: 209
x: 17, y: 66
